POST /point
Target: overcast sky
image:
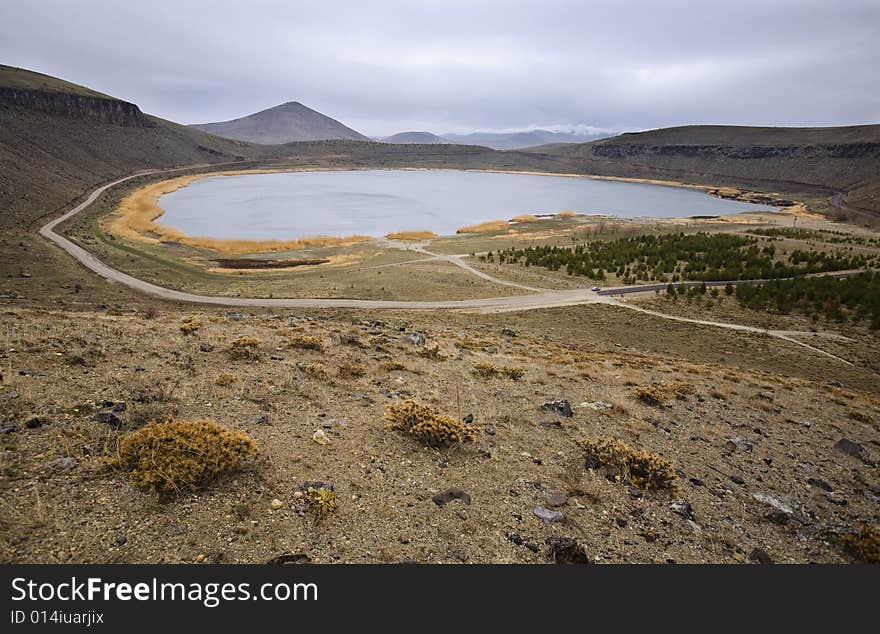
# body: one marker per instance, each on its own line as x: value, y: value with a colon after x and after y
x: 464, y: 65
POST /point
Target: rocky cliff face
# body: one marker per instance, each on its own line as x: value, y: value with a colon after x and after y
x: 79, y: 107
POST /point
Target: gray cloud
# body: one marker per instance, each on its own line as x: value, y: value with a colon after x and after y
x: 456, y: 65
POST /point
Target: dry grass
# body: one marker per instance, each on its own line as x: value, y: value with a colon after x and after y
x: 524, y: 218
x: 429, y: 426
x: 180, y: 456
x: 318, y: 371
x: 322, y: 501
x: 412, y: 235
x: 485, y: 227
x: 567, y: 213
x: 643, y: 469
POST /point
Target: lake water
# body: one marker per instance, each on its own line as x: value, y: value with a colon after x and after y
x: 377, y: 202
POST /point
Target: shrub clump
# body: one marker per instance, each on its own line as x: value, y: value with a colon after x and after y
x: 657, y: 395
x: 863, y: 544
x: 306, y: 342
x: 179, y: 456
x: 429, y: 426
x: 244, y: 348
x: 318, y: 371
x: 190, y: 326
x: 226, y: 378
x: 322, y: 499
x: 487, y: 370
x: 350, y: 371
x: 643, y: 469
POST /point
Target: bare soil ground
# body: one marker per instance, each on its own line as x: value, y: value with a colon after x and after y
x: 756, y: 428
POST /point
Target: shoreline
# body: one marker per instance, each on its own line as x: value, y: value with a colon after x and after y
x: 136, y: 215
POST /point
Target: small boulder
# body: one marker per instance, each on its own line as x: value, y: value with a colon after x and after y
x: 561, y: 407
x: 62, y: 465
x: 548, y: 515
x: 108, y: 417
x: 854, y: 449
x: 445, y: 497
x: 566, y: 550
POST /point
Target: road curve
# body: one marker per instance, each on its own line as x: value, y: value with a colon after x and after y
x: 541, y: 299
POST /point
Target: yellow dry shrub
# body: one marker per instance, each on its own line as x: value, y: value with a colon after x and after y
x: 429, y: 426
x: 643, y: 469
x: 431, y: 353
x: 864, y: 545
x: 660, y: 394
x: 485, y: 227
x: 487, y: 370
x: 318, y: 371
x: 190, y: 325
x: 225, y: 379
x: 350, y: 371
x: 322, y: 501
x: 524, y: 218
x: 244, y: 348
x: 567, y: 213
x: 178, y: 455
x: 306, y: 342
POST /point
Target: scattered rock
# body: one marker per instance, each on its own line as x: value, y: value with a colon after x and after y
x: 121, y: 540
x: 34, y: 423
x: 508, y: 332
x: 260, y: 419
x: 839, y: 500
x: 234, y: 316
x: 321, y: 437
x: 11, y: 394
x: 548, y: 515
x: 276, y: 504
x: 62, y: 465
x: 820, y: 484
x: 8, y: 429
x: 417, y: 339
x: 554, y: 500
x: 598, y: 406
x: 489, y: 430
x: 622, y: 522
x: 737, y: 479
x: 683, y: 508
x: 760, y: 555
x: 445, y: 497
x: 108, y: 417
x: 566, y: 550
x: 515, y: 538
x: 778, y: 516
x: 854, y: 449
x: 550, y: 424
x: 560, y: 407
x: 738, y: 444
x: 206, y: 347
x: 458, y: 555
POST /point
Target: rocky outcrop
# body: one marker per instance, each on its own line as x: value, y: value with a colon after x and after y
x: 73, y: 106
x: 836, y: 151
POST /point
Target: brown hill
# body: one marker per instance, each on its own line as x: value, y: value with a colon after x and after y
x: 844, y: 160
x: 59, y: 139
x: 286, y: 123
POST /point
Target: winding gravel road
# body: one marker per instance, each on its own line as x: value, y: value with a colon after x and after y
x: 541, y: 298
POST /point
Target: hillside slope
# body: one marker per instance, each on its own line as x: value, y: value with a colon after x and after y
x: 58, y: 140
x: 426, y: 138
x: 286, y: 123
x: 518, y: 140
x: 821, y: 160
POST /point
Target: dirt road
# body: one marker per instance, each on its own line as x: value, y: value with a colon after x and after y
x: 542, y: 298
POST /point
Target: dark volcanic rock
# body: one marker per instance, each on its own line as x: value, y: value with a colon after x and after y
x: 566, y: 550
x: 854, y: 449
x: 561, y: 407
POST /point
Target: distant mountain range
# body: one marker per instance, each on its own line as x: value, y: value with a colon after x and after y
x: 286, y: 123
x: 494, y: 140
